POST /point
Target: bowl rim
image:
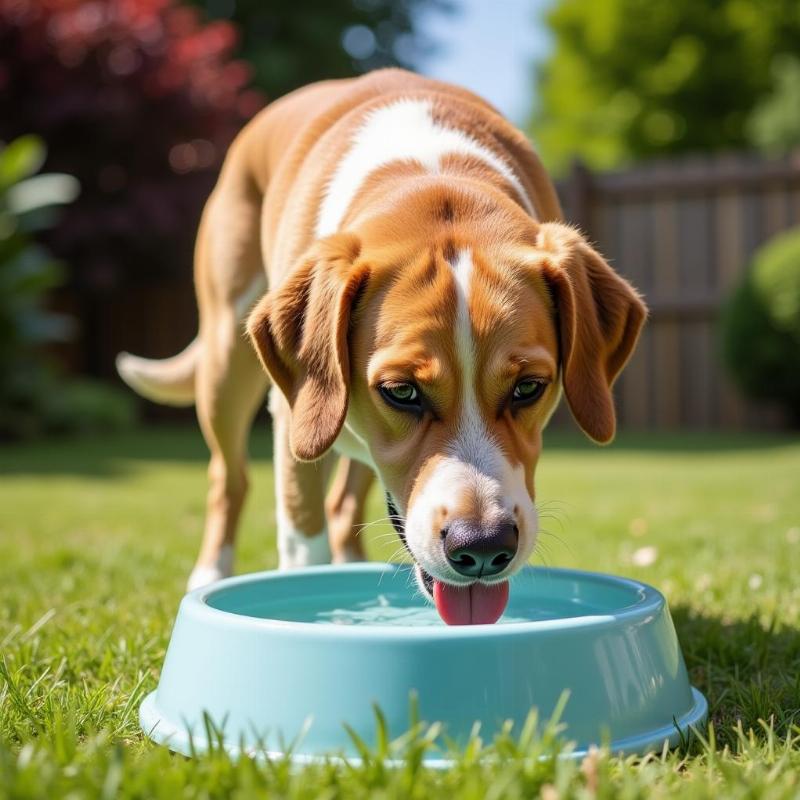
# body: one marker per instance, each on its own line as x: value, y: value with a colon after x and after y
x: 650, y: 602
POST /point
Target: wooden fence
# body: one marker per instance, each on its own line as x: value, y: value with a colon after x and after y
x: 683, y: 232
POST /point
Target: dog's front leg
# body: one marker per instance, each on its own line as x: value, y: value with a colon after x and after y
x: 344, y: 508
x: 299, y: 497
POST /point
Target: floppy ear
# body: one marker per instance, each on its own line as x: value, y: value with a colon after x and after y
x: 599, y: 318
x: 300, y: 331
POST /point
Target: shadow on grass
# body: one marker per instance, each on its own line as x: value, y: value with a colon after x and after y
x: 747, y: 671
x: 117, y: 454
x: 113, y: 455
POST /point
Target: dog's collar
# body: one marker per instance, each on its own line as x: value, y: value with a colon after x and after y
x: 398, y: 523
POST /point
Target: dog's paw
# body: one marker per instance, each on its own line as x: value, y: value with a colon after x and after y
x: 297, y: 550
x: 205, y: 574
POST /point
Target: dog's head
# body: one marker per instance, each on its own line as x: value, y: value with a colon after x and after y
x: 445, y: 357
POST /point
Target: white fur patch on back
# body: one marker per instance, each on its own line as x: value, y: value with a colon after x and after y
x: 401, y: 131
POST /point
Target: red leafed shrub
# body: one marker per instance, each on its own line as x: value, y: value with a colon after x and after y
x: 136, y: 98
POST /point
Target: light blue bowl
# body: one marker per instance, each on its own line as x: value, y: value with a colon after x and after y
x: 270, y: 655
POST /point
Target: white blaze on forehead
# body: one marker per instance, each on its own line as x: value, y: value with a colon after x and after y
x: 473, y: 443
x: 401, y: 131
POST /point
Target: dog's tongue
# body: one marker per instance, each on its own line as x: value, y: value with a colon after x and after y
x: 470, y: 605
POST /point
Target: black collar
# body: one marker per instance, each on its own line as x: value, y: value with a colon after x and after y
x: 398, y: 523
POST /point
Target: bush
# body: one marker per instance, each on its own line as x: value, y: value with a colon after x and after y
x: 137, y: 99
x: 88, y: 406
x: 761, y: 325
x: 32, y: 398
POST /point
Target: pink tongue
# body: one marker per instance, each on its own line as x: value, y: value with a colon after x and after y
x: 470, y: 605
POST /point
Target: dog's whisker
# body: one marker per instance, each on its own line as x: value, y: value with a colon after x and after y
x: 554, y: 501
x: 376, y: 524
x: 556, y: 520
x: 551, y: 512
x: 555, y: 508
x: 383, y: 520
x: 390, y: 518
x: 538, y: 552
x: 541, y: 547
x: 368, y: 528
x: 384, y: 539
x: 563, y: 542
x: 385, y: 535
x: 548, y: 532
x: 400, y: 551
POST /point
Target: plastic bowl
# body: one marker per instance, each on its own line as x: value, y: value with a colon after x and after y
x: 270, y: 655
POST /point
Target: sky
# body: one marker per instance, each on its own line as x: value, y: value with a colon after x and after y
x: 489, y: 46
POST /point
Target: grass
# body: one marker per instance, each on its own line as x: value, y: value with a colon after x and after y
x: 96, y: 538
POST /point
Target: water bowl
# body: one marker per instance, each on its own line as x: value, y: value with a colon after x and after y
x: 273, y: 657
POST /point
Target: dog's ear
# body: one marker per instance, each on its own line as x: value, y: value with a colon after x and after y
x: 300, y: 331
x: 599, y: 317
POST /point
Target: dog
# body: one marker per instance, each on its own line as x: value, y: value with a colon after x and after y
x: 388, y: 253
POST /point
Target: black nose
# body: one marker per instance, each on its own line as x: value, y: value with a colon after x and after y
x: 480, y: 550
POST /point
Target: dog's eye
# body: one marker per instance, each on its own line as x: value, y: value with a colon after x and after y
x: 404, y: 396
x: 527, y: 391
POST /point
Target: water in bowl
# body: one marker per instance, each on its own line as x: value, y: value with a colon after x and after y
x: 391, y: 611
x: 386, y: 605
x: 395, y: 601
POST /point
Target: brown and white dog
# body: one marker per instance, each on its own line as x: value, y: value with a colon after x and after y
x: 395, y: 251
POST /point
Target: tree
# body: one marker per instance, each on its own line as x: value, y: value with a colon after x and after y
x: 634, y: 78
x: 138, y: 100
x: 291, y: 43
x: 774, y: 125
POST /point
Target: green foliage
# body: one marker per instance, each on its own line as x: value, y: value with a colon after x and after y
x: 90, y: 583
x: 32, y: 399
x: 774, y: 125
x: 289, y: 44
x: 761, y: 325
x: 138, y: 100
x: 633, y: 78
x: 89, y: 406
x: 27, y: 271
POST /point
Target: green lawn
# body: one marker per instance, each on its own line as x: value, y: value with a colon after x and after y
x: 96, y: 538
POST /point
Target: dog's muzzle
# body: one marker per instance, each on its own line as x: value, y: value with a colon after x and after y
x: 472, y: 552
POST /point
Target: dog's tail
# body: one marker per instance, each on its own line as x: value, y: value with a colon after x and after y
x: 169, y: 381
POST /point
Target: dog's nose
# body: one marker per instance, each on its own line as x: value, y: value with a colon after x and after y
x: 479, y: 550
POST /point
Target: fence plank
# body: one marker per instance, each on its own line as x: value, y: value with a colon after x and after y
x: 669, y: 375
x: 732, y: 411
x: 775, y: 210
x: 666, y: 374
x: 684, y: 232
